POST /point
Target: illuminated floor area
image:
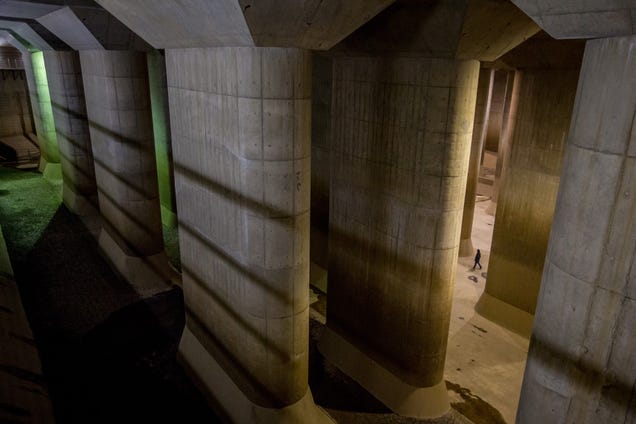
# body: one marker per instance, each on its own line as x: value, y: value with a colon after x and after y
x: 485, y: 361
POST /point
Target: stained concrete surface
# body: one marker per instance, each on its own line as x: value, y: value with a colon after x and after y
x: 108, y: 356
x: 485, y: 362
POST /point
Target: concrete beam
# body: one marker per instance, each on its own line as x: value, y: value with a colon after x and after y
x: 68, y: 28
x: 492, y: 28
x: 582, y: 19
x: 267, y: 23
x: 26, y: 33
x: 460, y: 29
x: 25, y: 10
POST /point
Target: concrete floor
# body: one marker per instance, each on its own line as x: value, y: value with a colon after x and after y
x: 484, y: 361
x: 484, y: 368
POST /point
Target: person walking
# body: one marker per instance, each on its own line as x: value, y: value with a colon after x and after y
x: 477, y: 259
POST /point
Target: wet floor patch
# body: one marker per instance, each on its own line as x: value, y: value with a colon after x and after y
x: 473, y: 407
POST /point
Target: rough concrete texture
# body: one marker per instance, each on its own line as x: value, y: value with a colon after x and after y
x: 241, y: 127
x: 320, y: 158
x: 581, y: 364
x: 120, y: 121
x: 491, y: 28
x: 503, y: 151
x: 71, y: 124
x: 539, y: 120
x: 460, y: 29
x: 46, y: 132
x: 401, y: 138
x: 163, y: 143
x: 482, y: 111
x: 267, y: 23
x: 15, y: 113
x: 497, y: 105
x: 582, y: 19
x: 538, y: 123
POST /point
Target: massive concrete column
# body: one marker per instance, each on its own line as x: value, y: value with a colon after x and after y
x: 538, y: 123
x: 163, y: 144
x: 497, y: 107
x: 501, y: 94
x: 44, y: 122
x: 482, y: 112
x: 241, y: 122
x: 401, y: 139
x: 64, y: 75
x: 581, y: 365
x: 120, y: 121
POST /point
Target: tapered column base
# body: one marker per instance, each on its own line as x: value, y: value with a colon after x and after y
x: 399, y: 396
x: 79, y: 204
x: 228, y: 399
x: 148, y: 275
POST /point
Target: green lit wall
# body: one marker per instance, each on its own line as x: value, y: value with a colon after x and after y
x: 46, y: 135
x: 161, y: 128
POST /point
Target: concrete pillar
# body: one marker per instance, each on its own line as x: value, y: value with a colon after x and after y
x: 32, y: 94
x: 482, y: 111
x: 401, y: 134
x: 539, y: 122
x: 44, y: 122
x: 71, y: 124
x: 496, y: 115
x: 581, y: 364
x: 241, y: 125
x: 320, y: 168
x: 120, y: 121
x: 504, y: 138
x: 163, y: 144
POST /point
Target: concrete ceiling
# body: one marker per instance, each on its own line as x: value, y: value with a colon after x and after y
x: 544, y: 52
x: 310, y: 24
x: 72, y: 24
x: 460, y: 29
x: 582, y: 18
x: 26, y: 35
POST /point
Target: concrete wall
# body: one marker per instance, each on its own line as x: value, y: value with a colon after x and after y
x: 66, y: 88
x: 539, y: 121
x: 241, y: 122
x: 401, y: 134
x: 581, y: 364
x: 15, y: 112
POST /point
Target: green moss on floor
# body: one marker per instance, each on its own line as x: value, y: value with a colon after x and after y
x: 171, y: 244
x: 28, y: 202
